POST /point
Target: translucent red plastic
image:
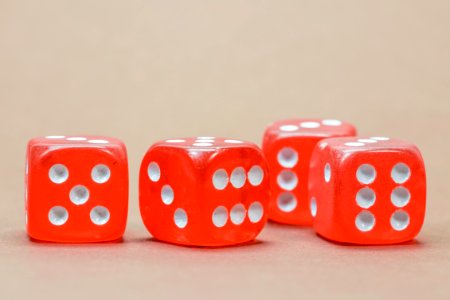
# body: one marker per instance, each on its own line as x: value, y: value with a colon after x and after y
x: 288, y: 146
x: 76, y: 189
x: 204, y: 191
x: 367, y: 190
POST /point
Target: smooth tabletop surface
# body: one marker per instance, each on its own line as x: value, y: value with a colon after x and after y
x: 143, y: 71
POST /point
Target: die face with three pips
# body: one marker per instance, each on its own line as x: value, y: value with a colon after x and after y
x: 367, y: 190
x: 208, y: 191
x: 288, y: 146
x: 76, y: 189
x: 204, y: 191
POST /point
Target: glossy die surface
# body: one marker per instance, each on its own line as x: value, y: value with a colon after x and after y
x: 367, y: 190
x: 204, y: 191
x: 76, y: 189
x: 288, y: 146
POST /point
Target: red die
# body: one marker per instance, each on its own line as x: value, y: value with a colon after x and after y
x: 367, y: 190
x: 288, y: 146
x: 76, y: 189
x: 204, y: 191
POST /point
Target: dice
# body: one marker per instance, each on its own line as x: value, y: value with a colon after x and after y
x: 204, y: 191
x: 367, y: 190
x: 288, y: 146
x: 76, y: 189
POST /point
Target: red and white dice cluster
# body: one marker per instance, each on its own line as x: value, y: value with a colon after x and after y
x: 351, y: 189
x: 208, y: 191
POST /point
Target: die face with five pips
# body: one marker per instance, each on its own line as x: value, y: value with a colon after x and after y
x: 204, y: 191
x: 76, y: 189
x: 213, y: 192
x: 367, y: 190
x: 288, y: 146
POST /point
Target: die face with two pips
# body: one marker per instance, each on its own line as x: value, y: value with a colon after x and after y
x: 367, y: 190
x: 76, y: 189
x: 204, y: 191
x: 288, y: 146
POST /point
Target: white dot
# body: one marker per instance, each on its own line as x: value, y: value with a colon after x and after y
x: 368, y: 141
x: 220, y: 216
x: 98, y: 141
x: 100, y: 173
x: 55, y: 137
x: 327, y: 172
x: 202, y: 144
x: 400, y: 196
x: 399, y: 220
x: 332, y: 122
x: 175, y: 141
x: 167, y: 194
x: 255, y: 212
x: 380, y: 138
x: 365, y: 221
x: 287, y: 157
x: 205, y: 138
x: 237, y: 214
x: 153, y: 171
x: 76, y: 138
x: 238, y: 177
x: 233, y: 142
x: 220, y: 179
x: 366, y: 174
x: 79, y: 195
x: 354, y: 144
x: 313, y: 207
x: 288, y: 127
x: 400, y: 173
x: 310, y: 124
x: 58, y: 215
x: 99, y: 215
x: 58, y: 173
x: 204, y: 141
x: 180, y: 218
x: 365, y: 197
x: 255, y: 175
x: 286, y: 202
x: 287, y: 180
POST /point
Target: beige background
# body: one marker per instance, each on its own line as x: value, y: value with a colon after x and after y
x: 146, y: 70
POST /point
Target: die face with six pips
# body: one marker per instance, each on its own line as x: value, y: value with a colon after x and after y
x: 288, y: 146
x: 208, y: 191
x: 204, y: 191
x: 76, y: 189
x: 367, y: 190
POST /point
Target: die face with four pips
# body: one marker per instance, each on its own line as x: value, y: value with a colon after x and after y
x: 76, y: 189
x: 288, y: 146
x: 204, y: 191
x: 367, y: 190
